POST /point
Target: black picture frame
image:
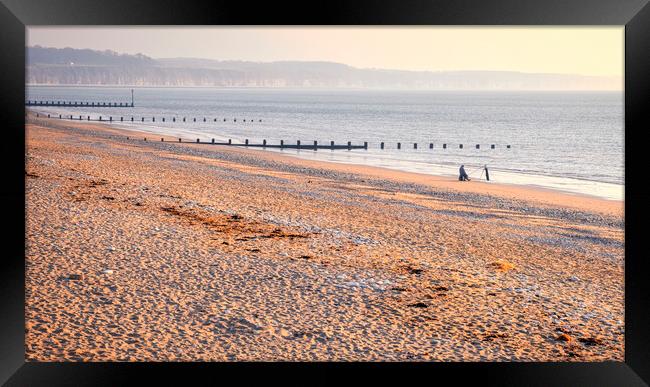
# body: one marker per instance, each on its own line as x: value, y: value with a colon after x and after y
x: 16, y: 14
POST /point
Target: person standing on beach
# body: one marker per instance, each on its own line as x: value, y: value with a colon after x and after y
x: 463, y: 175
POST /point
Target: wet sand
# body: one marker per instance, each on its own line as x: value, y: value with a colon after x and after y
x: 150, y: 251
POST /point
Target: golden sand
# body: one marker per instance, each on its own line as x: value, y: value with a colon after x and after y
x: 150, y: 251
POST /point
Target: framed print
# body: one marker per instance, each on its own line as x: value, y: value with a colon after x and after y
x: 394, y: 190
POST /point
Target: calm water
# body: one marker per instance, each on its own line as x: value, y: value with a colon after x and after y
x: 572, y: 141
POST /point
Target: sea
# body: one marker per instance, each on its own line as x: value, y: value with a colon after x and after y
x: 566, y: 141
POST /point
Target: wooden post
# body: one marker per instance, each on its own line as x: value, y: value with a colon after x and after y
x: 399, y: 145
x: 381, y: 145
x: 365, y: 145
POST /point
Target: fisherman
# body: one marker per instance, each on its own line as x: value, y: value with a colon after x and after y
x: 463, y: 175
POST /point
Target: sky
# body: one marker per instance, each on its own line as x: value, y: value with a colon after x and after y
x: 596, y: 51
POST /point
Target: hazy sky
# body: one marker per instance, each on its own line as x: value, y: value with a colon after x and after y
x: 570, y: 50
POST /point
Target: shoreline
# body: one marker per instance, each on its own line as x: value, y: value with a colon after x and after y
x: 151, y: 251
x: 532, y: 192
x: 531, y: 186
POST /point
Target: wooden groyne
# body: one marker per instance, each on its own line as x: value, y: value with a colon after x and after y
x: 30, y: 102
x: 285, y: 145
x: 264, y: 144
x: 138, y: 119
x: 282, y: 145
x: 79, y: 104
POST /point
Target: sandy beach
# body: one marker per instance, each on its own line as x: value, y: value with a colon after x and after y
x: 159, y: 251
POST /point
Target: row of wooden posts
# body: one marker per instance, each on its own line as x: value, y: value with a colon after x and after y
x: 133, y: 119
x: 315, y: 146
x: 78, y: 104
x: 282, y: 145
